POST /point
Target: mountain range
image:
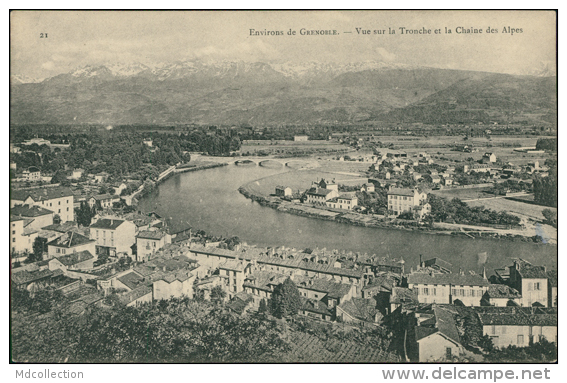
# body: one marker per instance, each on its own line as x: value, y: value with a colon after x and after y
x: 262, y: 94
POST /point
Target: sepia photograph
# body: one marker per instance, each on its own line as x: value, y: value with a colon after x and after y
x: 284, y: 187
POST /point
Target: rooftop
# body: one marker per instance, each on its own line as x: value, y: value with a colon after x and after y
x: 41, y: 194
x: 29, y: 211
x: 402, y: 191
x: 70, y: 239
x: 502, y: 291
x: 151, y: 234
x: 447, y: 279
x: 107, y: 223
x: 75, y: 258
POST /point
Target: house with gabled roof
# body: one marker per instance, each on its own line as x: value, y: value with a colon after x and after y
x: 113, y: 236
x: 57, y: 199
x: 103, y: 201
x: 501, y: 296
x: 518, y: 326
x: 319, y: 196
x: 69, y: 243
x: 433, y: 335
x: 531, y: 281
x: 176, y: 284
x: 359, y: 311
x: 81, y: 260
x: 313, y: 308
x: 150, y: 242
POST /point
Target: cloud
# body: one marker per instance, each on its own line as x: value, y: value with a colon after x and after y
x: 385, y: 55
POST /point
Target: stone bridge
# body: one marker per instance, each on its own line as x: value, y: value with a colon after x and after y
x: 284, y: 162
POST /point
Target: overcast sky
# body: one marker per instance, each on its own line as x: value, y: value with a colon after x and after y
x: 81, y: 38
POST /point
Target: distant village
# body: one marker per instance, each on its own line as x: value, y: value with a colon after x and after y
x: 144, y: 261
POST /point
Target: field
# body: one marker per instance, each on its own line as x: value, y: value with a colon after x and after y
x: 521, y: 208
x: 462, y: 194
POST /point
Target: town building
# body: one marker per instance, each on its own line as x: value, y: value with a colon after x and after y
x: 70, y: 243
x: 57, y: 199
x: 38, y: 216
x: 22, y: 236
x: 401, y: 200
x: 501, y: 296
x: 320, y: 196
x: 113, y: 236
x: 345, y: 201
x: 433, y: 335
x: 300, y: 138
x: 174, y: 285
x: 32, y: 174
x: 233, y: 272
x: 447, y: 288
x: 103, y: 201
x: 81, y: 260
x: 149, y: 242
x: 530, y: 280
x: 368, y: 188
x: 283, y: 191
x: 518, y: 326
x: 359, y: 311
x: 488, y: 158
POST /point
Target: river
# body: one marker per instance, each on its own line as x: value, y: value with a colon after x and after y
x: 209, y: 200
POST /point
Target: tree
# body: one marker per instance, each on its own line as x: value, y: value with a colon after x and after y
x: 59, y: 177
x: 217, y: 294
x: 39, y: 247
x: 550, y: 217
x: 263, y: 308
x: 285, y: 299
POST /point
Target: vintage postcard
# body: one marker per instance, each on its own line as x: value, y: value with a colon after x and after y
x: 283, y: 187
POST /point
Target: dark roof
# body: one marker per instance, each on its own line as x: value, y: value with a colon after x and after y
x: 107, y: 223
x: 29, y: 211
x: 527, y: 270
x: 70, y: 239
x: 132, y: 280
x: 33, y: 169
x: 319, y: 192
x: 445, y: 320
x: 517, y: 316
x: 180, y: 276
x: 360, y: 308
x: 73, y: 259
x: 402, y: 295
x: 131, y: 296
x: 150, y: 234
x: 25, y: 277
x: 401, y: 191
x: 240, y: 301
x: 447, y: 279
x: 438, y: 263
x: 41, y: 194
x: 102, y: 197
x: 502, y: 291
x: 332, y: 288
x: 314, y: 306
x: 61, y: 228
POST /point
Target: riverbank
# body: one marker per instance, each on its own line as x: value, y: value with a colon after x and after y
x: 372, y: 221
